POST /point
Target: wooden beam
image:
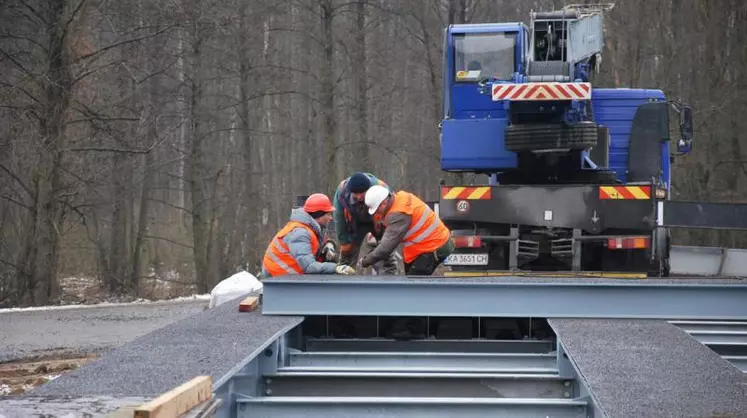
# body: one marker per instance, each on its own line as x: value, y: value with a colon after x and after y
x: 179, y: 400
x: 249, y: 304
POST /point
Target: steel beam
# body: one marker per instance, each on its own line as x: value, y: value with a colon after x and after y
x: 364, y: 407
x: 692, y: 326
x: 432, y: 361
x: 469, y: 385
x: 488, y: 297
x: 740, y: 362
x: 430, y: 346
x: 737, y: 338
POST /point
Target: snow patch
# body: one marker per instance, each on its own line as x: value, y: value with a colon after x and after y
x: 108, y: 304
x: 232, y: 287
x: 4, y: 390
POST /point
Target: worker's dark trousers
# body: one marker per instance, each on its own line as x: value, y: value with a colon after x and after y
x: 422, y: 265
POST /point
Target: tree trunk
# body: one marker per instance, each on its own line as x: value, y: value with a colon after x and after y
x: 329, y: 127
x: 198, y: 172
x: 360, y: 68
x: 41, y: 257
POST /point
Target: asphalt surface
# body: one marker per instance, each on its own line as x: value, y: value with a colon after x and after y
x: 652, y: 369
x: 214, y: 342
x: 87, y: 329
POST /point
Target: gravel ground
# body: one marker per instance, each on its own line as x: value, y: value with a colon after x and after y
x: 85, y: 329
x: 652, y: 369
x: 214, y: 343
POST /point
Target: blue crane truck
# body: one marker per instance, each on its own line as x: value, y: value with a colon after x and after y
x: 579, y: 176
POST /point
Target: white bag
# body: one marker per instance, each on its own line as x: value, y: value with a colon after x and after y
x: 239, y: 284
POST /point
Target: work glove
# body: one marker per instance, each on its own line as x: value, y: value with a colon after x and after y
x: 328, y: 251
x: 344, y: 269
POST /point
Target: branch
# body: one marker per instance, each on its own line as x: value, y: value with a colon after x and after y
x: 17, y: 64
x: 168, y: 240
x: 17, y: 179
x: 165, y: 203
x: 71, y: 18
x: 10, y: 199
x: 113, y: 150
x: 23, y: 38
x: 37, y: 14
x: 118, y: 44
x: 11, y: 86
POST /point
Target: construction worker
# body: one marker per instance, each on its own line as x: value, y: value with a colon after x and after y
x: 354, y: 224
x: 298, y: 248
x: 409, y: 221
x: 426, y: 241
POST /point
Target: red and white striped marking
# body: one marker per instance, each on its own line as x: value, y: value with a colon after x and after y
x: 542, y: 91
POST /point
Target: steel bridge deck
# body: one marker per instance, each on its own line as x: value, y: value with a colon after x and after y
x: 262, y: 366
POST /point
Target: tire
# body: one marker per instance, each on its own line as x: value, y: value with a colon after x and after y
x: 529, y: 137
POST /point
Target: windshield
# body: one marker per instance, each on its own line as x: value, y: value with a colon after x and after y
x: 478, y: 55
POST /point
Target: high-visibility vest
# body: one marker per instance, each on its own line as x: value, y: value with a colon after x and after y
x: 278, y: 260
x: 426, y: 232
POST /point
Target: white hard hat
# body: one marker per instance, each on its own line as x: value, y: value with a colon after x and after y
x: 374, y: 196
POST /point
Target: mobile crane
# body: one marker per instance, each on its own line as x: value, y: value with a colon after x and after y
x: 579, y: 176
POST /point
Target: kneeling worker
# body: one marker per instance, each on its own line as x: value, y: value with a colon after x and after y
x: 408, y: 220
x: 297, y: 248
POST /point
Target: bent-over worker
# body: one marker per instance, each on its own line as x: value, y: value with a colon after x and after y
x: 353, y: 223
x: 408, y: 220
x: 298, y: 247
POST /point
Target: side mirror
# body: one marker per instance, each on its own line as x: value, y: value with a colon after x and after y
x: 482, y: 85
x: 685, y: 143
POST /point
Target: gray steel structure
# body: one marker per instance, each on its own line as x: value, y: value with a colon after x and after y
x: 507, y: 297
x: 681, y: 360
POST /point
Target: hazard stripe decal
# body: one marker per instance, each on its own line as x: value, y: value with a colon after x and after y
x: 624, y: 192
x: 465, y: 193
x: 542, y: 91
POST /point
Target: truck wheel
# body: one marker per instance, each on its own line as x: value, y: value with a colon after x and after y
x: 530, y: 137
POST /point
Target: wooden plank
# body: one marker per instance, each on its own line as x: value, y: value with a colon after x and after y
x: 249, y: 304
x: 179, y: 400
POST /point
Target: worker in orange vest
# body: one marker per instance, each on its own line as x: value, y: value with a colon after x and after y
x: 408, y: 221
x: 426, y: 244
x: 298, y: 248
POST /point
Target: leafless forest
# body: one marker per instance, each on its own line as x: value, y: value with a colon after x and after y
x: 143, y: 138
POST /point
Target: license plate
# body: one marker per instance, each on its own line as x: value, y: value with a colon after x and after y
x: 467, y: 260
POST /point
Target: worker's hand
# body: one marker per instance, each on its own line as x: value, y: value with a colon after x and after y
x: 371, y: 240
x: 328, y: 251
x: 344, y: 269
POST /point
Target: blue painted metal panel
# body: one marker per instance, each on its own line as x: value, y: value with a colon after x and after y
x: 475, y: 144
x: 615, y: 108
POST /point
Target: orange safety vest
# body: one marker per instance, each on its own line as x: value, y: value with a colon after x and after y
x: 426, y: 232
x: 278, y: 260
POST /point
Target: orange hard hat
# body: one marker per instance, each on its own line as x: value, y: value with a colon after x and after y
x: 318, y: 202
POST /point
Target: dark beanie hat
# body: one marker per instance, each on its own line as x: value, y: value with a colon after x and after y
x: 358, y: 183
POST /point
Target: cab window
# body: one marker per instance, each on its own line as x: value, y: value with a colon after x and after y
x: 480, y: 55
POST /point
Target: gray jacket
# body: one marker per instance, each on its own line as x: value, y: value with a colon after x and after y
x: 299, y: 244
